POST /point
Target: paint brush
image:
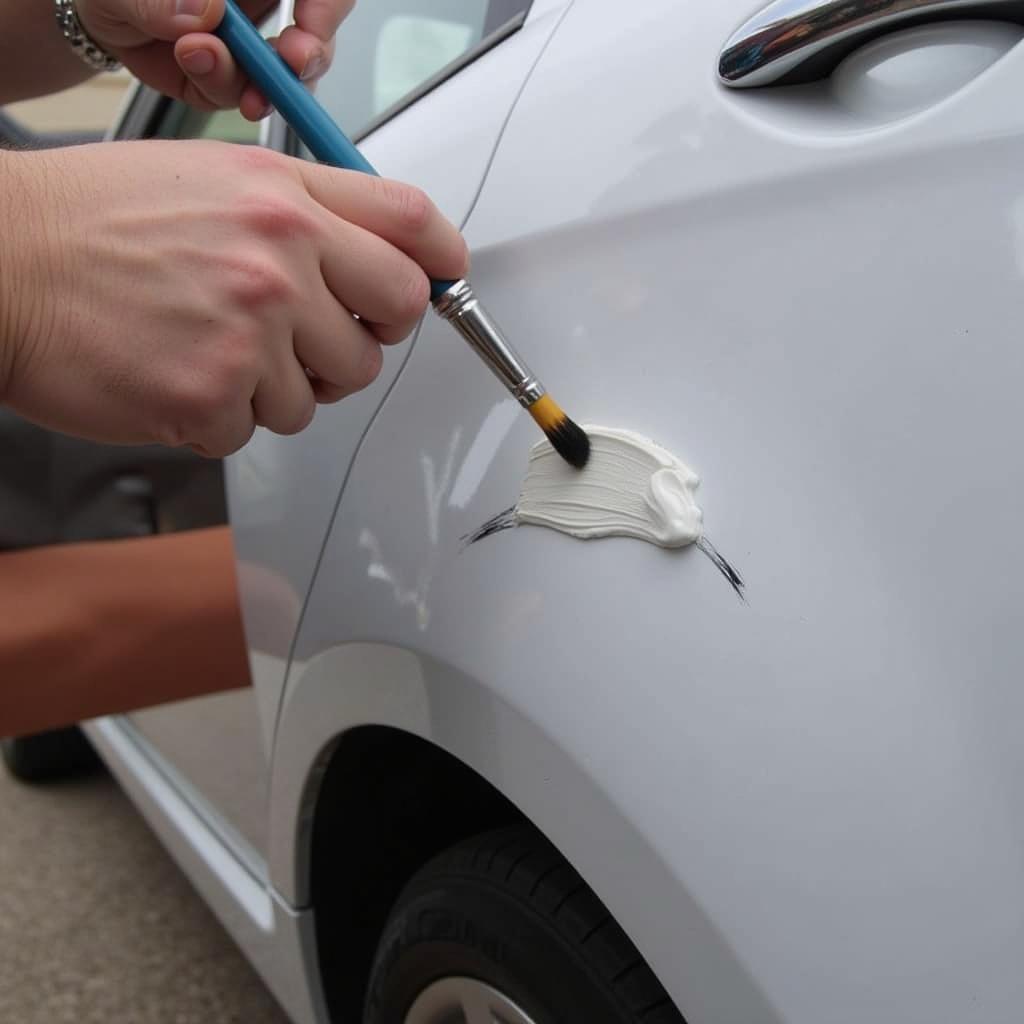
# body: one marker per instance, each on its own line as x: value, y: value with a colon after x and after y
x: 453, y: 300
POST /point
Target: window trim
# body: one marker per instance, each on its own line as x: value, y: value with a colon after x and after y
x: 500, y: 12
x: 474, y: 53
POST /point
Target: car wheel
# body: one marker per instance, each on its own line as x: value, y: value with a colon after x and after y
x: 48, y: 756
x: 502, y: 928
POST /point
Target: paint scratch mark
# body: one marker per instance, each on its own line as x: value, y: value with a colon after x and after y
x: 509, y: 518
x: 502, y: 521
x: 734, y: 578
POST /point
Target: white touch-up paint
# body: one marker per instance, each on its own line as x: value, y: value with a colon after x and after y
x: 631, y: 487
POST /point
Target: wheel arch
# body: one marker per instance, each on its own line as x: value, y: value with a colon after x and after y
x: 412, y: 801
x: 367, y: 729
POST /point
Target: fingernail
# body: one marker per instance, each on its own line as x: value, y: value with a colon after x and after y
x: 198, y: 62
x: 313, y: 67
x: 192, y: 8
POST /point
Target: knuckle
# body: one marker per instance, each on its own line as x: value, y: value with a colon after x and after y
x: 228, y: 376
x: 206, y: 400
x: 226, y: 439
x: 369, y: 367
x: 255, y: 283
x: 200, y: 405
x: 276, y: 218
x: 229, y: 443
x: 259, y: 159
x: 172, y: 432
x: 297, y: 418
x: 194, y: 407
x: 392, y: 334
x: 328, y: 394
x: 412, y: 206
x: 413, y: 296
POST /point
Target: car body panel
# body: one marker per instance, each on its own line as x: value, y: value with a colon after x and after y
x: 278, y: 940
x: 803, y: 806
x: 356, y: 684
x: 282, y: 490
x: 214, y: 742
x: 281, y: 494
x: 817, y: 313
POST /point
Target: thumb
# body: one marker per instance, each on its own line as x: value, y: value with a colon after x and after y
x: 135, y: 22
x: 171, y: 19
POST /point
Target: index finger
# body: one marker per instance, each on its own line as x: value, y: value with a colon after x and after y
x: 400, y: 214
x: 256, y: 10
x: 322, y: 17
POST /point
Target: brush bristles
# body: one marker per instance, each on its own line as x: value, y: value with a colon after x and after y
x: 566, y: 437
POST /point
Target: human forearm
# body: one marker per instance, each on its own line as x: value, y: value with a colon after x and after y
x: 108, y: 626
x: 34, y: 57
x: 26, y: 258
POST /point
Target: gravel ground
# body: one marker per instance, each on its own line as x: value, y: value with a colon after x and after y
x: 97, y: 924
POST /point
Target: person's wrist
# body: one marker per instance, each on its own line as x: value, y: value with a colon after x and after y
x: 26, y: 254
x: 81, y: 40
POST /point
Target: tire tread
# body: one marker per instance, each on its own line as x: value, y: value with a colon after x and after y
x: 518, y: 859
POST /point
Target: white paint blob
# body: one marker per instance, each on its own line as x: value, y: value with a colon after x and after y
x: 631, y: 487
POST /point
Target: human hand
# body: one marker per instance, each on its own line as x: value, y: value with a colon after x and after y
x: 168, y: 45
x: 184, y: 292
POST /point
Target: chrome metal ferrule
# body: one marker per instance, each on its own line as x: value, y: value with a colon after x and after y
x: 461, y: 308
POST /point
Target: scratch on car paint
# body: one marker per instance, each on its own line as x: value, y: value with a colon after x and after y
x: 631, y: 487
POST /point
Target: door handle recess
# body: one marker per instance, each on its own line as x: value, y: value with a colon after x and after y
x: 794, y: 41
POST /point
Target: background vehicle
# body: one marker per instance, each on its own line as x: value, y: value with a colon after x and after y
x: 801, y: 808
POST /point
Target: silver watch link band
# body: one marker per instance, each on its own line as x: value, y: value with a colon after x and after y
x: 78, y: 39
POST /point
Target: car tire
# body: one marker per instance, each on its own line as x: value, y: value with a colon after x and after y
x: 49, y: 756
x: 501, y: 927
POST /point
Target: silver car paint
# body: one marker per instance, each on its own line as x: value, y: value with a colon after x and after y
x: 808, y: 807
x: 282, y: 490
x: 278, y: 940
x: 817, y: 314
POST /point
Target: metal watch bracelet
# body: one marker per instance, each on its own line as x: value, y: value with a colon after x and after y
x: 78, y: 39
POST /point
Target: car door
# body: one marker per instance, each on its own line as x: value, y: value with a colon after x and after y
x: 425, y: 89
x: 810, y: 292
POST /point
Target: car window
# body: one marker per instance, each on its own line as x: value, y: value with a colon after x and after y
x: 389, y: 50
x: 389, y: 53
x: 181, y: 122
x: 177, y: 121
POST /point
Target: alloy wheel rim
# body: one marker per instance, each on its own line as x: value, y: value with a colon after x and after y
x: 464, y: 1001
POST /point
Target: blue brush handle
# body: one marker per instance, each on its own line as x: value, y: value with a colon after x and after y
x: 296, y: 104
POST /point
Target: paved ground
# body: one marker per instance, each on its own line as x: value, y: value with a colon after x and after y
x: 97, y: 924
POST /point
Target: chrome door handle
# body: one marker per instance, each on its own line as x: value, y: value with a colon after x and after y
x: 793, y: 41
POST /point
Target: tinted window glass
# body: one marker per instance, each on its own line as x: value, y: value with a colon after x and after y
x: 226, y: 125
x: 387, y: 49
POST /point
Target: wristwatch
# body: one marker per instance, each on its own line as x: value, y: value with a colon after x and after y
x: 78, y: 39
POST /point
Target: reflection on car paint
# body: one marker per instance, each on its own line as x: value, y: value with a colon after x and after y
x: 436, y: 485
